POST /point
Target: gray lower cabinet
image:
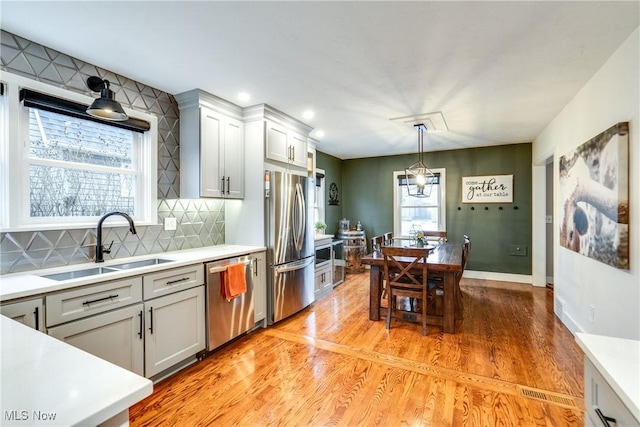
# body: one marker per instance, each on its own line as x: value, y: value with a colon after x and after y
x: 174, y: 329
x: 29, y: 312
x: 145, y: 324
x: 603, y: 405
x: 260, y: 286
x: 324, y: 281
x: 115, y: 336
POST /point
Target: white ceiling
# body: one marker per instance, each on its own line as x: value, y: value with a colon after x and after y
x: 498, y: 71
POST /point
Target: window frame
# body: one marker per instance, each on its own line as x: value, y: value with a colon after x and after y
x: 319, y: 197
x: 442, y: 206
x: 14, y: 159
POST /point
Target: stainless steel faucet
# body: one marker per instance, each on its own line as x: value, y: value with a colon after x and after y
x: 100, y: 250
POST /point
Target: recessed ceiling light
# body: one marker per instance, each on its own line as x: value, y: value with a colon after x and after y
x: 308, y: 114
x: 319, y: 133
x: 244, y: 96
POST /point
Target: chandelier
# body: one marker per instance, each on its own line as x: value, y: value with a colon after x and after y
x: 419, y: 179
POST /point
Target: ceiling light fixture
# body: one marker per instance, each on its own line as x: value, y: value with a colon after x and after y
x: 244, y: 97
x: 319, y: 133
x: 308, y: 114
x: 418, y: 178
x: 106, y: 107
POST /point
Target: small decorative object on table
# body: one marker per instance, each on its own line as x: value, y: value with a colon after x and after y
x: 417, y: 235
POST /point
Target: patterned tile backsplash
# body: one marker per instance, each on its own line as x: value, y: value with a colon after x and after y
x: 200, y: 222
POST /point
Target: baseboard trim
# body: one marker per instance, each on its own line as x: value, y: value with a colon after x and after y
x: 501, y: 277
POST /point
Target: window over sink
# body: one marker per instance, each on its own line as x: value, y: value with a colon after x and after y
x: 61, y: 169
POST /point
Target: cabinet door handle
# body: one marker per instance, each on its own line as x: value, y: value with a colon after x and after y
x: 223, y: 185
x: 605, y: 420
x: 173, y: 282
x: 255, y: 266
x: 228, y: 185
x: 110, y: 297
x: 35, y: 313
x: 140, y: 330
x: 293, y: 153
x: 151, y: 320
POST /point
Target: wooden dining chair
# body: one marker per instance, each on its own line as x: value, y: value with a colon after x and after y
x: 388, y: 238
x: 376, y: 245
x: 408, y: 280
x: 440, y: 236
x: 377, y: 242
x: 466, y: 245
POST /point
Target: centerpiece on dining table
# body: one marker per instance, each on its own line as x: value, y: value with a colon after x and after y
x: 419, y: 239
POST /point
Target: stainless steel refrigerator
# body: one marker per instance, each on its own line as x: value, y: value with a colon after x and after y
x: 290, y: 254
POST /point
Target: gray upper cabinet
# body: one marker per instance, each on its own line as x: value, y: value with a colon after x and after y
x: 285, y: 145
x: 212, y: 150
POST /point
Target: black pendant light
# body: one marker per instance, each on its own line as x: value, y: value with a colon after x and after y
x: 106, y: 107
x: 419, y: 179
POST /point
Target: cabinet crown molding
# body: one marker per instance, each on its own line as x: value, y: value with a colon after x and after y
x: 265, y: 111
x: 198, y: 97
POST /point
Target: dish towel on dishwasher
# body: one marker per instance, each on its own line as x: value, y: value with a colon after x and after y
x: 232, y: 281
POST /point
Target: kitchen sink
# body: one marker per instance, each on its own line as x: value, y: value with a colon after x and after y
x: 137, y: 264
x: 67, y: 275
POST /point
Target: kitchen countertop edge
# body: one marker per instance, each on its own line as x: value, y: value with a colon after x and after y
x: 79, y: 388
x: 618, y: 361
x: 31, y: 283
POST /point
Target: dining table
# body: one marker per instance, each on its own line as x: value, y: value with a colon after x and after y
x: 444, y: 260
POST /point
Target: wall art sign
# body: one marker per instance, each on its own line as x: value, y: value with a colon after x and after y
x: 333, y: 195
x: 487, y: 189
x: 594, y: 197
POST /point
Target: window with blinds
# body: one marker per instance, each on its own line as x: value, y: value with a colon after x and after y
x: 427, y: 212
x: 67, y: 168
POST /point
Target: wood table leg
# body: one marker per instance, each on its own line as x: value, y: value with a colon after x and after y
x: 374, y: 292
x: 449, y: 309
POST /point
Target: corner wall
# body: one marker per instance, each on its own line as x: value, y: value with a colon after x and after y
x: 332, y: 167
x: 611, y: 96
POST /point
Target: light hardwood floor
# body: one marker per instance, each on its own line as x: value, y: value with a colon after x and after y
x: 511, y: 363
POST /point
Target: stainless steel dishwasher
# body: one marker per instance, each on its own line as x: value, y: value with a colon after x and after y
x: 228, y: 319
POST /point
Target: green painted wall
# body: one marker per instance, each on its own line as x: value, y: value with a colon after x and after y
x: 366, y: 195
x: 333, y: 173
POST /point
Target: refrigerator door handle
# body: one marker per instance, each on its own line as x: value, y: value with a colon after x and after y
x: 299, y: 218
x: 298, y: 265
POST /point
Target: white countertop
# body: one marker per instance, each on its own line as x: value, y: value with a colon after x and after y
x: 25, y: 284
x: 323, y: 236
x: 618, y: 361
x: 42, y: 375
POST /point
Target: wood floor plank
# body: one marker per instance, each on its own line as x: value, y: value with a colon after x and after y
x: 331, y: 365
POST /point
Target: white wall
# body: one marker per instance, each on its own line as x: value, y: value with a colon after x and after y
x: 244, y: 219
x: 611, y: 96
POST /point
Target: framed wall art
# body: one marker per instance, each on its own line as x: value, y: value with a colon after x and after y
x: 594, y: 197
x: 487, y: 189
